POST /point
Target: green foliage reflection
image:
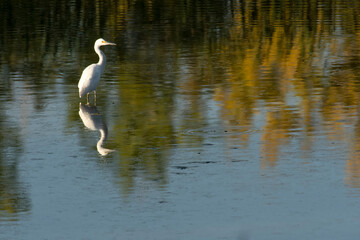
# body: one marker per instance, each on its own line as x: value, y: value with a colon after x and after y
x: 295, y: 62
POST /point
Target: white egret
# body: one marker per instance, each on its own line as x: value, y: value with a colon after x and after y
x: 91, y: 75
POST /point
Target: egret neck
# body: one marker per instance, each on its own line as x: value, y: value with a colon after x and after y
x: 102, y: 58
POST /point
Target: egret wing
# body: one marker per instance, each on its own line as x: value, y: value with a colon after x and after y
x: 89, y: 80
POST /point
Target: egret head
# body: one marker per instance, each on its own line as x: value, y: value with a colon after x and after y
x: 102, y: 42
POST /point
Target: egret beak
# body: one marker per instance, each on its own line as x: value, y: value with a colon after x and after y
x: 109, y: 43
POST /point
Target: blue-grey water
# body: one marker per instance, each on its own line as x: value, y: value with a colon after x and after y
x: 213, y: 120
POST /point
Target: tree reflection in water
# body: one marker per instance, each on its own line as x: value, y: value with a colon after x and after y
x: 294, y: 62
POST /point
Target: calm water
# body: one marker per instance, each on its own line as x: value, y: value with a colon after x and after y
x: 227, y: 120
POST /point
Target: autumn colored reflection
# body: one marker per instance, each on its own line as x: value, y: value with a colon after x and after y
x: 305, y: 74
x: 286, y: 71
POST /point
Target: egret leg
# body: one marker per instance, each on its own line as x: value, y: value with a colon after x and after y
x: 95, y: 97
x: 87, y: 98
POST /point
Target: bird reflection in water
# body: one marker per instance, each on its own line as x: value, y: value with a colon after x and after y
x: 92, y: 119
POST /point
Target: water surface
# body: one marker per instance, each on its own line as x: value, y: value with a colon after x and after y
x: 213, y: 120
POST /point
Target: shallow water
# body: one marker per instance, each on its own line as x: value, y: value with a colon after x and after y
x: 226, y: 120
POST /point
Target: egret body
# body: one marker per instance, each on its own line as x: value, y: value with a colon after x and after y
x: 91, y: 75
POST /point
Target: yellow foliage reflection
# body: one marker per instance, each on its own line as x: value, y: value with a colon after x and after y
x: 294, y: 63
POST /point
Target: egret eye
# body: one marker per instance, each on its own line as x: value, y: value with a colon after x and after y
x: 103, y: 41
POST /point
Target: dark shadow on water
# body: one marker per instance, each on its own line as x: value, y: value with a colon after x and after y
x: 93, y: 120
